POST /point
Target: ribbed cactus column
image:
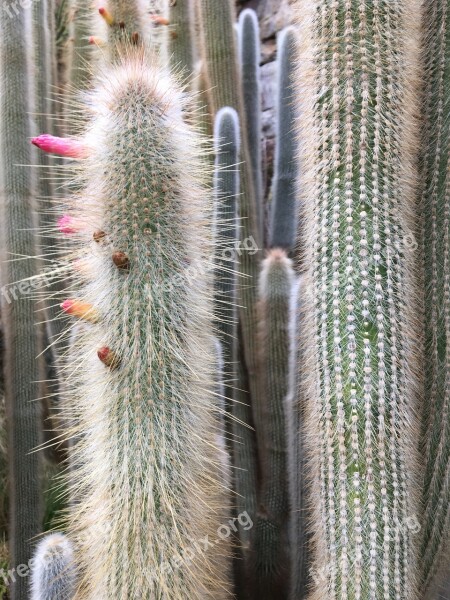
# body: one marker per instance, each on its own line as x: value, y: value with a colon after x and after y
x: 151, y: 495
x: 436, y: 164
x: 128, y: 22
x: 249, y: 52
x: 181, y: 44
x: 17, y: 188
x: 357, y: 86
x: 271, y: 550
x: 283, y: 213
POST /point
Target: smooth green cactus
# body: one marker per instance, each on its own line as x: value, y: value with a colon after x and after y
x: 270, y: 547
x: 181, y: 47
x: 149, y: 480
x: 283, y: 213
x: 53, y: 571
x: 357, y: 89
x: 436, y: 204
x: 22, y: 372
x: 226, y: 195
x: 249, y: 58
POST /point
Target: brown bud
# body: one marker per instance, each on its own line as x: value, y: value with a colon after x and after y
x: 108, y: 357
x: 120, y: 259
x: 98, y: 236
x: 135, y: 38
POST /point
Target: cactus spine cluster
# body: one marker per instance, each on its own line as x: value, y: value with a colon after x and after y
x: 53, y: 571
x: 17, y: 185
x: 283, y: 217
x: 148, y: 465
x: 436, y: 214
x: 358, y: 68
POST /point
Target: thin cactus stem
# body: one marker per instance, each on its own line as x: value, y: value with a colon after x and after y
x: 21, y: 368
x: 53, y: 570
x: 270, y: 548
x: 358, y: 74
x: 148, y: 478
x: 436, y: 217
x: 249, y: 58
x: 181, y: 46
x: 283, y: 212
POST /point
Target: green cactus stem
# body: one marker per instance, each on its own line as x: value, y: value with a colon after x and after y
x: 436, y: 206
x: 270, y: 559
x: 249, y: 58
x: 357, y: 89
x: 181, y: 46
x: 149, y: 484
x: 283, y: 213
x: 21, y: 368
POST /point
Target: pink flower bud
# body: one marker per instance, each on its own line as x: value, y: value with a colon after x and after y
x: 62, y: 146
x: 67, y: 225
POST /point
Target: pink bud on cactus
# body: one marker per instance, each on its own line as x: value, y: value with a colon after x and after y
x: 67, y: 225
x: 106, y: 15
x: 62, y: 146
x: 96, y: 41
x: 80, y: 309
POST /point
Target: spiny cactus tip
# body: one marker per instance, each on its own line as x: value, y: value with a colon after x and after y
x: 63, y: 146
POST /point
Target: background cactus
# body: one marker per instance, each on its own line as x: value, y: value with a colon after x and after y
x: 181, y: 47
x: 53, y: 571
x: 17, y: 184
x: 155, y: 434
x: 283, y: 219
x: 436, y: 214
x: 357, y: 94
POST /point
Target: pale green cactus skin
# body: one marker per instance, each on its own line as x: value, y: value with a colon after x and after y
x: 18, y: 239
x: 436, y: 205
x: 283, y: 213
x: 249, y: 58
x: 181, y: 46
x: 357, y: 83
x: 149, y: 481
x: 53, y: 570
x: 270, y: 546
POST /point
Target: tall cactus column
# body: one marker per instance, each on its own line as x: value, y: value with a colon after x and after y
x: 18, y: 315
x: 357, y: 88
x: 436, y: 171
x: 152, y: 497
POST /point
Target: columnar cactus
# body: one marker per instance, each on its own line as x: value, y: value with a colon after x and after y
x: 283, y: 217
x: 357, y: 82
x: 53, y: 571
x: 181, y: 46
x: 226, y: 197
x: 436, y: 205
x: 249, y: 57
x: 151, y: 499
x: 17, y: 185
x: 127, y: 23
x: 270, y: 548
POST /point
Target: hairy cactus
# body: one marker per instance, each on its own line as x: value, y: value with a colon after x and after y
x: 270, y: 548
x: 22, y: 370
x: 283, y: 217
x: 436, y: 169
x: 53, y: 571
x: 128, y: 23
x: 226, y: 194
x: 151, y: 499
x: 249, y: 57
x: 357, y: 83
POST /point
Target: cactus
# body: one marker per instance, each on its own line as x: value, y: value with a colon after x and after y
x: 295, y: 435
x: 148, y: 482
x: 226, y: 194
x: 127, y: 24
x: 436, y: 207
x: 357, y: 92
x: 53, y: 571
x: 22, y: 370
x: 270, y: 546
x: 283, y: 217
x: 182, y: 48
x: 249, y: 57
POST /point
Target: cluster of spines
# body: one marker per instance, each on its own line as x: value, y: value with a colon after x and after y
x: 53, y: 572
x: 153, y: 423
x: 358, y: 150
